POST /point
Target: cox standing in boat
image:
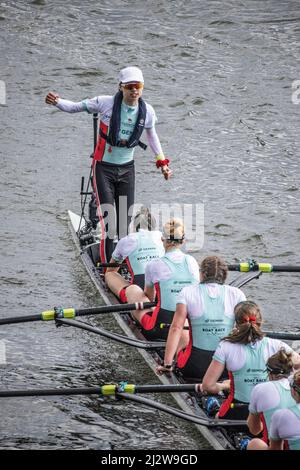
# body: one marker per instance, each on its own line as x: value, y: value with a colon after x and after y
x: 209, y: 308
x: 137, y: 249
x: 164, y: 279
x: 123, y: 118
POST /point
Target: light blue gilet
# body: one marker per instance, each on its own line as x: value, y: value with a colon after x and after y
x: 286, y: 401
x: 294, y: 444
x: 252, y: 373
x: 122, y: 155
x: 180, y: 278
x: 147, y: 250
x: 213, y: 325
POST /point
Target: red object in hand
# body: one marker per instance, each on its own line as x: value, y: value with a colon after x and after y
x: 160, y: 163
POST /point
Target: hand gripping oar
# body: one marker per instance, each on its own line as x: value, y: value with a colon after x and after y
x: 58, y: 312
x: 252, y: 265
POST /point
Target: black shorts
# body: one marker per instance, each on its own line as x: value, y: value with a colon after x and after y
x: 197, y: 364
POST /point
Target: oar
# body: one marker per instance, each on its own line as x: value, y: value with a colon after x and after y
x: 182, y: 414
x: 106, y: 389
x: 283, y: 335
x: 243, y: 279
x: 58, y: 312
x: 137, y: 343
x: 263, y: 267
x: 127, y: 391
x: 110, y: 265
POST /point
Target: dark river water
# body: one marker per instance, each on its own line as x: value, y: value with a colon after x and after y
x: 221, y: 77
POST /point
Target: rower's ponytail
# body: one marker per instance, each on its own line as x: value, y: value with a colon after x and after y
x: 248, y: 322
x: 213, y: 269
x: 144, y: 220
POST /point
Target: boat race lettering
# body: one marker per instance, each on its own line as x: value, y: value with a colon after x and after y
x: 215, y: 331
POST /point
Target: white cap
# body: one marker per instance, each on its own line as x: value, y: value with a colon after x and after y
x: 131, y: 74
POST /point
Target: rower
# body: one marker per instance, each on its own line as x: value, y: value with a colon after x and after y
x: 268, y: 397
x: 285, y: 424
x: 244, y: 352
x: 209, y: 307
x: 136, y: 249
x: 164, y: 279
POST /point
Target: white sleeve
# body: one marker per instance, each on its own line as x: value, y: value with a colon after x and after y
x: 264, y: 396
x: 194, y: 267
x: 220, y: 353
x: 148, y: 274
x: 124, y: 248
x: 99, y: 104
x: 182, y: 296
x: 154, y: 142
x: 253, y: 400
x: 240, y: 296
x: 151, y: 118
x: 275, y: 344
x: 70, y: 106
x: 276, y: 424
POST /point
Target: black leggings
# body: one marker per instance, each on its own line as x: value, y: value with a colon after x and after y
x: 114, y: 186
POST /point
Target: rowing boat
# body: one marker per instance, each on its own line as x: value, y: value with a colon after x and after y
x: 219, y: 438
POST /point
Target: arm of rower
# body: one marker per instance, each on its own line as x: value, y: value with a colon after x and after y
x: 175, y: 333
x: 154, y: 142
x: 276, y: 444
x: 150, y: 293
x: 65, y: 105
x: 111, y: 269
x: 210, y: 382
x: 254, y: 424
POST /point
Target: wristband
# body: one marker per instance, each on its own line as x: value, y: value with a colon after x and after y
x: 160, y: 163
x: 168, y: 366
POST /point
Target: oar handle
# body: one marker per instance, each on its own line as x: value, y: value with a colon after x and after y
x: 115, y: 308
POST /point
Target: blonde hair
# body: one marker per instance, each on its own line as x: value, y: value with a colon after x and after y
x: 173, y: 231
x: 213, y: 269
x: 248, y: 321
